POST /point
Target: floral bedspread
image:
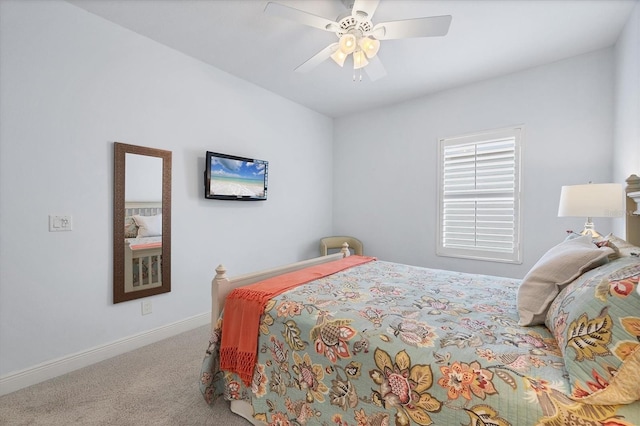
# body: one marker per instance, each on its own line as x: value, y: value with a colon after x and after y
x: 385, y: 343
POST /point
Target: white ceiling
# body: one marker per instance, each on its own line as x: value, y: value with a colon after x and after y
x: 487, y: 38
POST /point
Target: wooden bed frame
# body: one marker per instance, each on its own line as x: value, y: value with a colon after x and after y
x: 139, y: 254
x: 633, y: 210
x: 221, y: 285
x: 135, y: 257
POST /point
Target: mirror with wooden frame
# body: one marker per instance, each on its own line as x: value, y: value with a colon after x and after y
x: 141, y: 222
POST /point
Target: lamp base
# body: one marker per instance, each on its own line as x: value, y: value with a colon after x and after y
x: 592, y: 233
x: 589, y: 229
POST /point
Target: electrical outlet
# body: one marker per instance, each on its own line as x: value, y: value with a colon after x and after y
x: 146, y: 307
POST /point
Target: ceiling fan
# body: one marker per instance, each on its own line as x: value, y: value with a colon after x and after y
x: 357, y: 35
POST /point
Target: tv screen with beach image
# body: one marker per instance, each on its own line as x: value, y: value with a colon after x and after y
x: 236, y: 178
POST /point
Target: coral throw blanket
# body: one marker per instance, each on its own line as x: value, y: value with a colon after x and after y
x: 245, y: 305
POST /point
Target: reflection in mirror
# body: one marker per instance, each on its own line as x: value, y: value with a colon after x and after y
x: 142, y: 222
x: 142, y: 218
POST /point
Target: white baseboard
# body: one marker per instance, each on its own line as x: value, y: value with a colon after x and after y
x: 50, y: 369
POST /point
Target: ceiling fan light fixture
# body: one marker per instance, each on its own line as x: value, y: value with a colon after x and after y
x: 357, y: 35
x: 359, y: 60
x: 348, y: 43
x: 370, y: 46
x: 338, y: 57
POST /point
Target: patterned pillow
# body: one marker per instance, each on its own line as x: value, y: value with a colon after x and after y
x: 130, y: 227
x: 596, y: 321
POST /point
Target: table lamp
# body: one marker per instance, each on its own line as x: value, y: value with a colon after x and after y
x: 592, y: 200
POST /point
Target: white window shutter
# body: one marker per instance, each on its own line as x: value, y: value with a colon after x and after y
x: 479, y: 196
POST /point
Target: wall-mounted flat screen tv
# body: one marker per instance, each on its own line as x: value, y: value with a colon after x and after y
x: 229, y: 177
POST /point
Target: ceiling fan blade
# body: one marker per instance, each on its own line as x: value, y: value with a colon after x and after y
x: 368, y: 7
x: 375, y: 70
x: 432, y: 26
x: 318, y: 58
x: 297, y: 15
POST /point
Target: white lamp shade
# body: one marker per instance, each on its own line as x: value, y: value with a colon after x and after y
x: 348, y: 43
x: 370, y: 46
x: 339, y: 56
x: 359, y: 60
x: 592, y: 200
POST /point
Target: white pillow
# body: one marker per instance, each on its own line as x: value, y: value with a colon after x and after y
x: 557, y: 268
x: 148, y: 226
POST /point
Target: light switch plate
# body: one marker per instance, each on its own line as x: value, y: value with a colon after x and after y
x: 60, y: 223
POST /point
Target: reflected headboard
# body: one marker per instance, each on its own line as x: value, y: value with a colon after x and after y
x: 142, y: 208
x: 633, y: 210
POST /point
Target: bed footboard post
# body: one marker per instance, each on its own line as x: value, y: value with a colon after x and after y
x: 345, y: 249
x: 218, y: 293
x: 221, y: 272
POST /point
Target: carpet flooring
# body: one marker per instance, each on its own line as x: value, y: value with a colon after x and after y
x: 154, y: 385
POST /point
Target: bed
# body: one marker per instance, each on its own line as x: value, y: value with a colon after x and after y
x: 142, y: 245
x: 362, y: 341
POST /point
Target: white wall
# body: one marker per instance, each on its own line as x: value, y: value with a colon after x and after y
x: 385, y: 189
x: 627, y: 105
x: 71, y: 85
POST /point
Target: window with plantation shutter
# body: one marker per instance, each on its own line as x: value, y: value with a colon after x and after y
x: 479, y: 196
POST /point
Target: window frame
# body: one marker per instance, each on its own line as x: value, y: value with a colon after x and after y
x: 477, y: 139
